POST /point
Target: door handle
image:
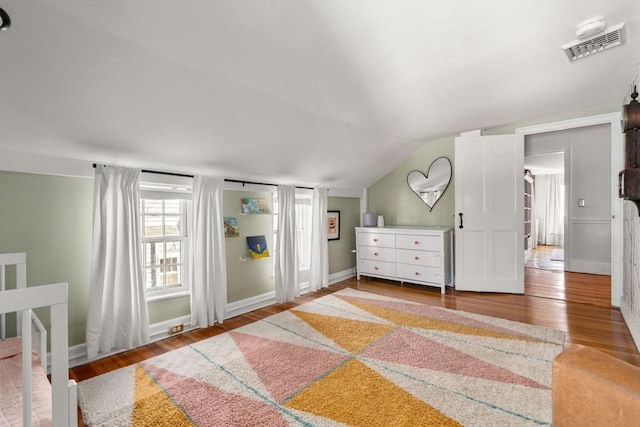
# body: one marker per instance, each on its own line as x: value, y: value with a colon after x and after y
x: 461, y: 225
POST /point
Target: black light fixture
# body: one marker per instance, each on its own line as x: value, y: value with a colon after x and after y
x: 5, y: 21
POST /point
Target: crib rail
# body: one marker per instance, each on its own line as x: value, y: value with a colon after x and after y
x: 22, y: 301
x: 20, y: 261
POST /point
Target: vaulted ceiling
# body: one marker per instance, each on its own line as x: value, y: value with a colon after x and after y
x: 314, y: 92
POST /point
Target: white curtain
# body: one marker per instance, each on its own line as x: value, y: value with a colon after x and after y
x: 550, y: 209
x: 208, y: 261
x: 287, y: 286
x: 319, y: 263
x: 117, y: 316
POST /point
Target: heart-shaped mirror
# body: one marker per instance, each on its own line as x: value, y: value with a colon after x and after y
x: 431, y: 187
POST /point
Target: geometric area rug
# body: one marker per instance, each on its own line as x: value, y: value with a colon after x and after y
x: 350, y: 358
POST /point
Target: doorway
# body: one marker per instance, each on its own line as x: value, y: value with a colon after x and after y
x: 545, y: 211
x: 546, y: 274
x: 592, y: 239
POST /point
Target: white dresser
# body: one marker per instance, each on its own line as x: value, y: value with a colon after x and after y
x: 421, y: 255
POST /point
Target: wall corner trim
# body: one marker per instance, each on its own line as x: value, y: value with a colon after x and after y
x: 633, y: 324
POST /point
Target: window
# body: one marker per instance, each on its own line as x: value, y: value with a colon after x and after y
x: 303, y: 228
x: 303, y: 231
x: 164, y: 243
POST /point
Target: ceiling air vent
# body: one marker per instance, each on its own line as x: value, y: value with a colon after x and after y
x: 583, y: 48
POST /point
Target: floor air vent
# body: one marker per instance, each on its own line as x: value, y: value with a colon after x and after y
x: 582, y: 48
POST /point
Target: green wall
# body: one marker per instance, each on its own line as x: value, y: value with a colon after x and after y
x: 247, y: 277
x: 49, y: 218
x: 340, y: 256
x: 170, y: 308
x: 392, y: 197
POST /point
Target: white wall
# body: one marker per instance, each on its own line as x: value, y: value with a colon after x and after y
x: 588, y: 177
x: 630, y: 303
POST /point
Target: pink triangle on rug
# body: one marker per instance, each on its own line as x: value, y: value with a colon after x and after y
x: 408, y: 348
x: 435, y: 313
x: 285, y: 368
x: 206, y: 405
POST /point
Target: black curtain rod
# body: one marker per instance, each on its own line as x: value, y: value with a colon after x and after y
x: 260, y: 183
x: 226, y: 180
x: 161, y: 172
x: 167, y: 173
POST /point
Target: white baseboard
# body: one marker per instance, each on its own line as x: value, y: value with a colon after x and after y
x: 160, y: 330
x: 246, y: 305
x: 589, y: 267
x: 77, y: 355
x: 341, y: 275
x: 157, y: 331
x: 250, y: 304
x: 633, y: 324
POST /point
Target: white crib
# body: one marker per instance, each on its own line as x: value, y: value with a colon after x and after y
x: 61, y: 392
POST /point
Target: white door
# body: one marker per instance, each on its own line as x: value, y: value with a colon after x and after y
x: 489, y: 210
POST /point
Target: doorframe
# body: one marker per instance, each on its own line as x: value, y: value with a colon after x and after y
x: 617, y: 163
x: 566, y: 156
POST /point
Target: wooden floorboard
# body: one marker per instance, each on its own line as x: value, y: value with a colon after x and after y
x: 587, y: 318
x: 546, y: 278
x: 568, y: 286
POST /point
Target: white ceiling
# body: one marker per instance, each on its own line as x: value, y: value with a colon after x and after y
x: 544, y: 164
x: 315, y: 92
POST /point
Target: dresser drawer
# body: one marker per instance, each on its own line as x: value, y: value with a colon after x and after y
x: 366, y: 266
x: 420, y: 255
x: 377, y: 253
x: 377, y: 239
x: 425, y: 258
x: 421, y: 242
x: 420, y: 273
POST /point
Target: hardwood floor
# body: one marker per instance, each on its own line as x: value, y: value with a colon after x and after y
x: 541, y: 257
x: 587, y: 319
x: 546, y: 278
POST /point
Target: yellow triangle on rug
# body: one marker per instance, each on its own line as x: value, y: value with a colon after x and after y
x: 355, y: 394
x: 353, y: 335
x: 152, y: 403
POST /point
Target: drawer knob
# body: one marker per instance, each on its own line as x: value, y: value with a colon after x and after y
x: 375, y: 240
x: 375, y: 268
x: 416, y: 243
x: 416, y: 258
x: 417, y: 274
x: 375, y: 253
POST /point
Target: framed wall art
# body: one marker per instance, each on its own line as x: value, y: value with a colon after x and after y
x: 252, y: 206
x: 231, y: 227
x: 333, y: 225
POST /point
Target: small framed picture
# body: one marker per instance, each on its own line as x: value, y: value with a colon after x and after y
x: 333, y: 225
